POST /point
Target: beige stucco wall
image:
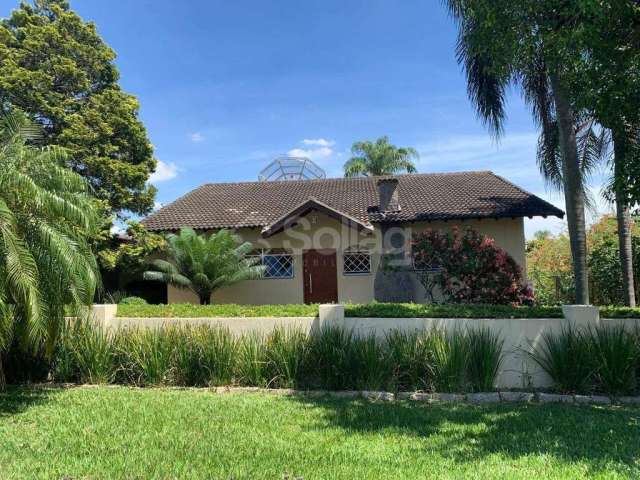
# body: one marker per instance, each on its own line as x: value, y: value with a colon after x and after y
x: 319, y: 231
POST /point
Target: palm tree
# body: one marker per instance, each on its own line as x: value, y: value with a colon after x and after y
x: 526, y: 62
x: 595, y: 146
x: 46, y: 215
x: 379, y: 158
x: 204, y: 264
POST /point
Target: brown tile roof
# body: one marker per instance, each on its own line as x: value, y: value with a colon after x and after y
x: 434, y: 196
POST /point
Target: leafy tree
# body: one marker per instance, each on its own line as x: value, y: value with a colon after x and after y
x: 379, y: 158
x: 46, y: 214
x: 130, y: 255
x: 605, y: 261
x: 57, y: 69
x: 549, y: 269
x: 204, y: 264
x: 469, y: 268
x: 608, y: 79
x: 504, y: 42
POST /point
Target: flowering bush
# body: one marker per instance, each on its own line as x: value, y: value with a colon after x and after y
x: 469, y: 268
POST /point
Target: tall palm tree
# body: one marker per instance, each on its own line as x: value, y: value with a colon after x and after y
x: 46, y: 215
x: 490, y: 71
x: 595, y: 144
x: 204, y: 264
x: 379, y: 158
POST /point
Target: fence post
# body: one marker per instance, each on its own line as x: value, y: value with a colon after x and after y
x: 104, y: 314
x: 331, y: 315
x: 581, y: 315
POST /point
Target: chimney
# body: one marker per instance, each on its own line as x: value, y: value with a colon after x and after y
x: 388, y: 193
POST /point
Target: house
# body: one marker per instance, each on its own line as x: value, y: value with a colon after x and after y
x: 323, y: 240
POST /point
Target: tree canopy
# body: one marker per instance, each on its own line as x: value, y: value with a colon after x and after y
x: 57, y: 69
x: 380, y: 158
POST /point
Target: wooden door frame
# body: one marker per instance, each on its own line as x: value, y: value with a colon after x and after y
x: 306, y: 285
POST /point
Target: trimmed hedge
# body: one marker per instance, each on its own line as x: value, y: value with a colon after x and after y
x: 187, y: 310
x: 384, y: 310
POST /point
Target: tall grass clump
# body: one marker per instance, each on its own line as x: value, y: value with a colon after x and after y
x: 146, y: 356
x: 251, y: 365
x: 408, y: 355
x: 615, y: 353
x: 567, y: 358
x: 369, y: 364
x: 216, y: 349
x: 286, y: 354
x: 485, y: 358
x: 330, y: 349
x: 449, y: 356
x: 85, y: 354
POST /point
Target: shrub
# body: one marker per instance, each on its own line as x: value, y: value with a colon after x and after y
x: 132, y: 301
x: 470, y: 268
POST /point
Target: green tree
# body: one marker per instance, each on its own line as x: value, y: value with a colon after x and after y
x: 57, y: 69
x: 379, y: 158
x: 204, y: 264
x: 46, y: 214
x: 607, y: 82
x: 521, y: 42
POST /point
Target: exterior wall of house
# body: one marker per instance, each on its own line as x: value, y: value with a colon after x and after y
x: 317, y: 231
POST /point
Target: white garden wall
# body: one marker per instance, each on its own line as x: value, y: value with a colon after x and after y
x: 517, y: 371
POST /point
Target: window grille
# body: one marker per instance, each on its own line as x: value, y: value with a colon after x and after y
x: 277, y: 263
x: 356, y: 262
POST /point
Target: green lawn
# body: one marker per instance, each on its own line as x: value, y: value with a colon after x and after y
x: 130, y: 433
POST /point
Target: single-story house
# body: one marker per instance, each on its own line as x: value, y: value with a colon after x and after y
x: 322, y: 240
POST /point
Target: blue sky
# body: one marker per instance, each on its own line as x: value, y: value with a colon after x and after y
x: 225, y: 87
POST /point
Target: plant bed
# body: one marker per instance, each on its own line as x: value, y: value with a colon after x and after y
x: 380, y: 310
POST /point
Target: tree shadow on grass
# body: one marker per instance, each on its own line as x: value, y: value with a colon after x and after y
x: 17, y: 399
x: 601, y: 438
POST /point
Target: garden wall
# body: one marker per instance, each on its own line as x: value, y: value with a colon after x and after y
x: 520, y: 334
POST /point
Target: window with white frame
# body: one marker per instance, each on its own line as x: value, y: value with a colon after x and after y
x: 278, y: 263
x: 356, y: 262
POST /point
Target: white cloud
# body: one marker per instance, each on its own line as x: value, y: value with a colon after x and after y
x: 320, y: 149
x: 157, y: 205
x: 318, y: 142
x: 164, y: 171
x: 196, y: 137
x: 311, y: 153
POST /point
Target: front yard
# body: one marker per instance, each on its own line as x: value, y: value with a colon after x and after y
x: 117, y: 432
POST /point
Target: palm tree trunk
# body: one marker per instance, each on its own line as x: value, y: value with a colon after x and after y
x: 573, y: 190
x: 625, y: 223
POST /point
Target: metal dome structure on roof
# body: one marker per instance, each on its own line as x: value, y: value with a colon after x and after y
x: 291, y: 168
